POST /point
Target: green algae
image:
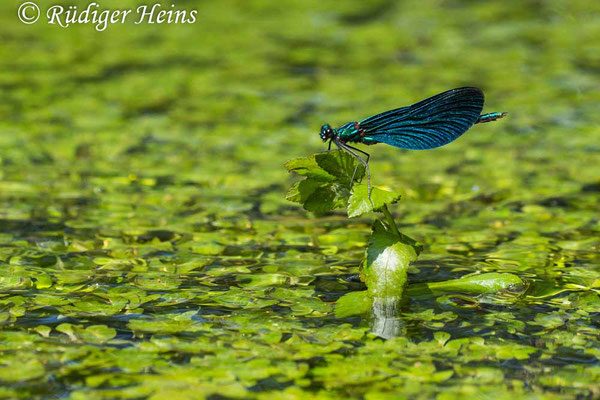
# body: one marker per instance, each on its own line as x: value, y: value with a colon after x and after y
x: 147, y: 249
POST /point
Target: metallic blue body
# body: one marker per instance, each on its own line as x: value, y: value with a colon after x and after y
x: 348, y: 133
x: 490, y: 117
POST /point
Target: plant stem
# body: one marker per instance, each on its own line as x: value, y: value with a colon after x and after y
x: 390, y: 219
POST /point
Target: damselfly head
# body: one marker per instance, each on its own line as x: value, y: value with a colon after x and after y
x: 326, y: 132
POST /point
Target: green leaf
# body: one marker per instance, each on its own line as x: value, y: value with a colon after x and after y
x: 43, y: 330
x: 387, y: 260
x: 327, y: 183
x: 20, y: 368
x: 359, y: 202
x: 327, y: 198
x: 307, y: 166
x: 340, y: 164
x: 492, y: 282
x: 353, y: 303
x: 544, y: 289
x: 97, y: 334
x: 67, y: 329
x: 310, y: 306
x: 302, y: 190
x: 167, y: 324
x: 14, y: 282
x: 589, y: 302
x: 92, y: 334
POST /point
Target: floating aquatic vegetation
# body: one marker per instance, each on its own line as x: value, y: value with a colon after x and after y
x: 141, y: 187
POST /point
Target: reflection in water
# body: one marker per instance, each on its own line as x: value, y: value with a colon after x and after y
x: 385, y: 320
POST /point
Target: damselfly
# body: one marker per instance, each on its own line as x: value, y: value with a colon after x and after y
x: 430, y: 123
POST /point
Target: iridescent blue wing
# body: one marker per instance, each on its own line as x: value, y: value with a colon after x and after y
x: 430, y: 123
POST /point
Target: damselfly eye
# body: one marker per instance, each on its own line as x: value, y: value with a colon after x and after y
x: 326, y: 132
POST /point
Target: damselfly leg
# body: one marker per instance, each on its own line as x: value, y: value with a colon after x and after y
x: 365, y: 163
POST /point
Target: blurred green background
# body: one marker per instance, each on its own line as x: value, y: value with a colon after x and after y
x: 147, y: 250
